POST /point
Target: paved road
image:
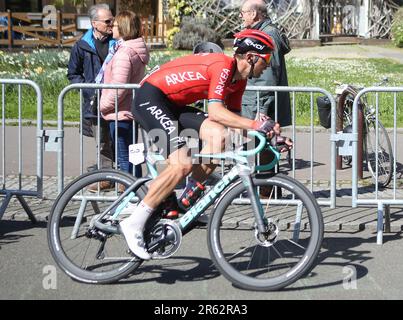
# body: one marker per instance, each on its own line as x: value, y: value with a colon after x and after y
x: 350, y: 267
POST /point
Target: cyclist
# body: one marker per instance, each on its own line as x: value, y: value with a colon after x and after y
x: 161, y: 103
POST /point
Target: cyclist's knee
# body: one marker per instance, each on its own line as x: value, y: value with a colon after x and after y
x: 180, y: 169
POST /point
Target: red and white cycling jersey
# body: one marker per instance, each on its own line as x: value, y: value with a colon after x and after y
x: 202, y: 76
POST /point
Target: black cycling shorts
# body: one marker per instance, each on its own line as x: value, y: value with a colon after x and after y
x: 164, y: 121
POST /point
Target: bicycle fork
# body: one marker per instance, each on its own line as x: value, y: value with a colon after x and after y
x: 245, y: 174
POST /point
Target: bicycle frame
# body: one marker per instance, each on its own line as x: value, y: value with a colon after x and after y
x: 240, y: 170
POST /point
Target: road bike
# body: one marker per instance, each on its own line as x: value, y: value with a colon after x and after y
x: 378, y: 154
x: 257, y: 244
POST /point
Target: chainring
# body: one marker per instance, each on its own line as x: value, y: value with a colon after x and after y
x: 172, y: 230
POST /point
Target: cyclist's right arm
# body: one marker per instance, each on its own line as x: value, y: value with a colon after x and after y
x: 221, y: 91
x: 219, y: 113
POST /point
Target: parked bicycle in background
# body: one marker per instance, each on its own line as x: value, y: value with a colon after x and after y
x: 377, y: 148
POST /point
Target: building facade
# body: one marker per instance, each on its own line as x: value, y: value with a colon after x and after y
x: 300, y: 19
x: 144, y: 7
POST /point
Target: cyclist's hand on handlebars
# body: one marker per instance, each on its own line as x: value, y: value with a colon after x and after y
x: 268, y: 127
x: 281, y: 143
x: 262, y: 117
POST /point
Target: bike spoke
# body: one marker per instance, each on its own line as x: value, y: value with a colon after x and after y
x: 269, y: 258
x: 93, y: 255
x: 296, y: 244
x: 238, y: 253
x: 85, y: 254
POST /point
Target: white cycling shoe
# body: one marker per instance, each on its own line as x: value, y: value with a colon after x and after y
x: 134, y: 238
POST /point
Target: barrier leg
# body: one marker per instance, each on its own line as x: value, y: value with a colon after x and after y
x: 27, y: 209
x: 297, y: 223
x: 4, y: 205
x: 379, y: 235
x: 387, y: 218
x: 79, y: 219
x: 95, y: 207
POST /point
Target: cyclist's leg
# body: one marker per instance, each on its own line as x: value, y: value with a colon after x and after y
x: 158, y: 117
x: 162, y: 120
x: 179, y: 166
x: 212, y: 136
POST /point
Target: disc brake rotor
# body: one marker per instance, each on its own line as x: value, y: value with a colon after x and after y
x: 270, y: 236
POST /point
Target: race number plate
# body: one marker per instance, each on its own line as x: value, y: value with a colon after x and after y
x: 136, y: 153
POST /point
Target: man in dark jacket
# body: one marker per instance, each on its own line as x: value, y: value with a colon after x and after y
x: 254, y: 15
x: 86, y: 59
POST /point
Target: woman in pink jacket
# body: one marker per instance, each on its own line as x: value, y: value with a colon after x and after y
x: 126, y: 64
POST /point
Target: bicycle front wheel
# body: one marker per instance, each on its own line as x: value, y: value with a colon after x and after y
x: 78, y: 247
x: 285, y: 252
x: 378, y: 152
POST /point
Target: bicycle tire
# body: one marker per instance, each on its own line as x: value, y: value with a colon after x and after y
x: 385, y: 153
x: 241, y: 271
x: 64, y: 212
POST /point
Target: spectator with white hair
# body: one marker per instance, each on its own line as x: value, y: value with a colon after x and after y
x: 254, y: 16
x: 86, y: 59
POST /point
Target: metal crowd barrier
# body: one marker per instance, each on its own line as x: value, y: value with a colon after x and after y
x: 383, y: 199
x: 20, y: 192
x: 311, y: 130
x: 331, y: 201
x: 59, y: 133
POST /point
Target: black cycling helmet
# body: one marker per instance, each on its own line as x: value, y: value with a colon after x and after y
x: 253, y: 40
x: 207, y: 47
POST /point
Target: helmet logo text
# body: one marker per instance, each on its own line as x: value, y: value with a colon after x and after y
x: 253, y: 44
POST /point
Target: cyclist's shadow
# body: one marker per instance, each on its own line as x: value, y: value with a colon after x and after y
x: 338, y: 263
x: 174, y: 269
x: 344, y: 264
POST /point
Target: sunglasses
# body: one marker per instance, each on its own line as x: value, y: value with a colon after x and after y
x: 266, y: 57
x: 109, y: 21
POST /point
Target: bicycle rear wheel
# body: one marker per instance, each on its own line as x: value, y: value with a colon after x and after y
x: 84, y: 252
x: 383, y: 155
x: 284, y: 254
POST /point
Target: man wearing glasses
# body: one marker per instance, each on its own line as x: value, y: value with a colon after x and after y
x: 254, y: 16
x: 86, y: 59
